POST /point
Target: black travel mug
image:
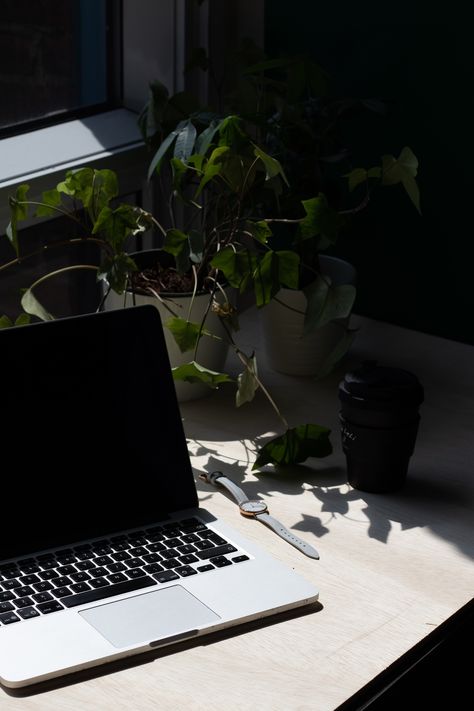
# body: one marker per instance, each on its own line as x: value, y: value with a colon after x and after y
x: 379, y: 423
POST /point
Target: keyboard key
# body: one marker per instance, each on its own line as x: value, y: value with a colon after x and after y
x: 153, y: 568
x: 29, y: 579
x: 172, y: 542
x: 103, y: 560
x: 153, y: 547
x: 48, y: 607
x: 48, y: 564
x: 134, y: 563
x: 6, y: 607
x: 11, y: 584
x: 190, y: 538
x: 240, y: 558
x: 26, y: 590
x: 109, y: 591
x: 23, y: 602
x: 42, y: 587
x: 166, y: 576
x: 8, y: 618
x: 171, y: 563
x: 99, y: 583
x: 61, y: 592
x: 151, y: 557
x: 187, y: 548
x: 187, y: 559
x: 10, y: 573
x: 204, y: 544
x: 85, y: 565
x: 221, y: 562
x: 139, y: 541
x: 67, y: 559
x: 135, y: 552
x: 48, y: 574
x: 185, y: 571
x: 121, y: 555
x: 6, y: 596
x: 216, y: 551
x: 79, y: 587
x: 135, y: 573
x: 99, y: 572
x: 62, y: 581
x: 66, y: 569
x: 28, y: 612
x: 171, y: 553
x: 42, y: 597
x: 116, y: 578
x: 205, y: 568
x: 116, y: 567
x: 83, y: 556
x: 29, y: 568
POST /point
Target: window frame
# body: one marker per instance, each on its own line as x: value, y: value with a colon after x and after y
x: 151, y: 34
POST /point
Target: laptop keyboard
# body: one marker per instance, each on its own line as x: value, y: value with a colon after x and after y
x: 93, y: 571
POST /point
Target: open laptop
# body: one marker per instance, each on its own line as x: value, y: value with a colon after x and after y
x: 104, y: 551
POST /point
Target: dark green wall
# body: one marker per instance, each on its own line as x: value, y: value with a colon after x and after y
x: 413, y: 271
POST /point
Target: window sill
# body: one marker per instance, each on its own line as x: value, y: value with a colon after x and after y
x: 40, y: 158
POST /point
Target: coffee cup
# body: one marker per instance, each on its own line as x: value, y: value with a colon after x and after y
x: 379, y: 423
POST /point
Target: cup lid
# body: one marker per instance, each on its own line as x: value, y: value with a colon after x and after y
x: 380, y: 383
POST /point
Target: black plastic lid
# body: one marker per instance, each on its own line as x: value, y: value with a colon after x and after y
x: 377, y: 383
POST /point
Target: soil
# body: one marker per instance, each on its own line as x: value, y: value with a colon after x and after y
x: 162, y: 280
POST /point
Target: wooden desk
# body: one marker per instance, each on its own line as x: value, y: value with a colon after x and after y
x: 392, y: 568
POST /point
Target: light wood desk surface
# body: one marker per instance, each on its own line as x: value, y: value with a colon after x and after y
x: 392, y: 568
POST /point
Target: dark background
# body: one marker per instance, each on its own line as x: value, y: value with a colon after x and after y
x: 413, y: 271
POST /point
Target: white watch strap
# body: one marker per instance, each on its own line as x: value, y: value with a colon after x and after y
x: 241, y: 497
x: 218, y: 478
x: 288, y: 535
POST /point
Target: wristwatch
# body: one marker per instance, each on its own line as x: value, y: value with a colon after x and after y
x: 255, y: 508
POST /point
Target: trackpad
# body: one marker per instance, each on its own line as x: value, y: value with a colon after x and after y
x: 150, y: 616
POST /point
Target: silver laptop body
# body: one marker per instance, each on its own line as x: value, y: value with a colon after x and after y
x: 104, y: 551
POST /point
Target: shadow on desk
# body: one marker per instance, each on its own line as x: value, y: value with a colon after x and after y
x: 424, y: 501
x: 153, y: 655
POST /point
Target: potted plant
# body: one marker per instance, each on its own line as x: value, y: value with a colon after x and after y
x: 285, y: 105
x: 229, y: 248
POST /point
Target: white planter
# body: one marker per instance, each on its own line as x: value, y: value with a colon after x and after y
x: 211, y: 352
x: 287, y: 350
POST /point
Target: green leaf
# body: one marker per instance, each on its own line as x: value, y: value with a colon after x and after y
x: 230, y: 131
x: 247, y: 383
x: 337, y: 353
x: 320, y: 221
x: 185, y: 333
x: 116, y: 271
x: 212, y: 168
x: 375, y: 172
x: 356, y: 177
x: 23, y: 320
x: 195, y: 373
x: 164, y: 146
x: 179, y: 170
x: 273, y: 166
x: 78, y: 184
x: 260, y: 231
x: 116, y: 225
x: 5, y: 322
x: 185, y: 140
x: 402, y: 170
x: 32, y: 306
x: 296, y: 445
x: 175, y: 241
x: 237, y: 267
x: 18, y: 212
x: 205, y: 139
x: 275, y: 270
x: 327, y: 303
x: 52, y: 199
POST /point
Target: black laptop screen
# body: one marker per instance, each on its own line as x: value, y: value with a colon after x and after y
x: 91, y: 435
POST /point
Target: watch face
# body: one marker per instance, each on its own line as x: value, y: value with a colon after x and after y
x: 251, y: 508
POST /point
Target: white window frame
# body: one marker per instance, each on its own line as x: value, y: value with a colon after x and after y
x: 154, y: 36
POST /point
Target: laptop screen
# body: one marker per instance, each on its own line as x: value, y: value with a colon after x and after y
x: 91, y: 434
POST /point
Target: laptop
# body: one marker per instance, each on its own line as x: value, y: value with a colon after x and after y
x: 104, y: 550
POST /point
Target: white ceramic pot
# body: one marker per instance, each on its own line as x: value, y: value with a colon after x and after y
x: 287, y: 349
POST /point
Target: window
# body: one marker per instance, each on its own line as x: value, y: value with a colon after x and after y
x: 55, y: 60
